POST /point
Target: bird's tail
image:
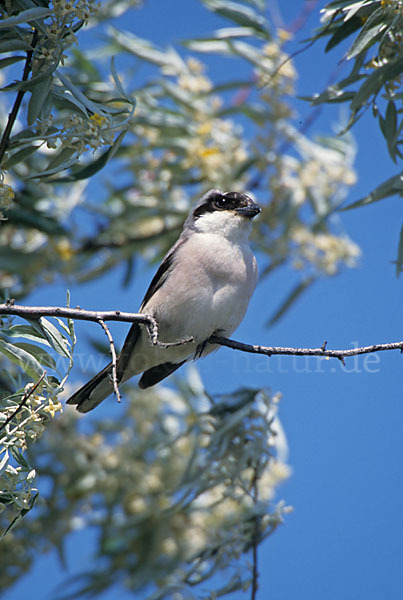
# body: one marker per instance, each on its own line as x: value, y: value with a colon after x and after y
x: 94, y: 391
x: 100, y: 386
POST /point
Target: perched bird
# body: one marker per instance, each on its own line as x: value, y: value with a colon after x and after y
x: 203, y: 286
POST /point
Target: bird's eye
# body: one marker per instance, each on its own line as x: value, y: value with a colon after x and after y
x: 220, y: 202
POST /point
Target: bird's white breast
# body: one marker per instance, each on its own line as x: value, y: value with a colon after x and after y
x: 208, y: 289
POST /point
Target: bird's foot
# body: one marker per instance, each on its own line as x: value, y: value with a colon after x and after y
x: 201, y: 347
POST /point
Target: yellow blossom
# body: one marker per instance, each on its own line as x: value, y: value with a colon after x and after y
x: 99, y: 120
x: 284, y: 35
x: 64, y: 249
x: 206, y: 152
x: 6, y: 195
x: 53, y: 407
x: 205, y: 128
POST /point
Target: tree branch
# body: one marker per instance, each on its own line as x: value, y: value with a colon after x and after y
x: 114, y: 375
x: 79, y: 314
x: 20, y: 95
x: 323, y: 352
x: 35, y: 312
x: 25, y: 397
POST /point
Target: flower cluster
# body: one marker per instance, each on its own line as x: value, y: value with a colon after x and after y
x: 323, y: 251
x: 6, y: 198
x: 22, y: 425
x: 81, y: 133
x: 181, y: 483
x: 58, y: 33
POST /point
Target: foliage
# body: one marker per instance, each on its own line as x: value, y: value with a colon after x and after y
x: 189, y: 134
x: 178, y: 486
x: 375, y: 78
x: 62, y: 125
x: 181, y: 484
x: 26, y: 411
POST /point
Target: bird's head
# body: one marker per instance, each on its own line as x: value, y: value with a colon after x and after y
x: 223, y: 212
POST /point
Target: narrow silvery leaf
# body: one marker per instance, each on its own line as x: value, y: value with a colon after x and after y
x: 4, y: 462
x: 10, y: 60
x: 38, y: 96
x: 43, y: 357
x: 92, y: 106
x: 238, y: 13
x: 28, y: 332
x: 55, y: 338
x: 64, y: 159
x: 26, y: 16
x: 393, y: 185
x: 146, y: 50
x: 19, y: 156
x: 22, y: 358
x: 371, y: 28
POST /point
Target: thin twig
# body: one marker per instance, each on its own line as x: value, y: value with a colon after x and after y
x: 114, y: 360
x: 35, y: 312
x: 20, y: 95
x: 25, y: 397
x: 255, y: 539
x: 323, y: 352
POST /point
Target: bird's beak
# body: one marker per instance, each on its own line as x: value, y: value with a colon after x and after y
x: 250, y: 210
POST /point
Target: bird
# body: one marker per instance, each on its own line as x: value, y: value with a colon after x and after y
x: 202, y: 287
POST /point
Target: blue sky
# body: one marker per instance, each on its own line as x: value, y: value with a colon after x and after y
x: 344, y: 425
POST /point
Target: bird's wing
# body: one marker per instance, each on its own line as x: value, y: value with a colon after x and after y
x: 158, y: 373
x: 165, y: 268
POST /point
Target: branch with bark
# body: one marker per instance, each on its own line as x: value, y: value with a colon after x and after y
x: 35, y: 312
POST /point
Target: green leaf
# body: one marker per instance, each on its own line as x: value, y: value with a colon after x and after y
x: 366, y: 38
x: 212, y: 46
x: 342, y: 32
x: 254, y: 111
x: 399, y: 260
x: 93, y: 107
x: 90, y: 169
x: 29, y: 217
x: 223, y: 34
x: 14, y: 45
x: 18, y: 261
x: 20, y: 515
x: 388, y: 127
x: 252, y: 55
x: 43, y: 357
x: 393, y: 185
x: 291, y: 298
x: 64, y: 100
x: 26, y: 16
x: 19, y: 458
x: 63, y: 160
x: 374, y: 82
x: 116, y: 79
x: 28, y: 332
x: 55, y: 338
x: 240, y: 14
x: 30, y: 84
x: 4, y: 462
x: 146, y: 50
x: 232, y: 85
x: 38, y: 97
x: 10, y: 60
x: 352, y: 9
x: 19, y: 156
x: 22, y: 358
